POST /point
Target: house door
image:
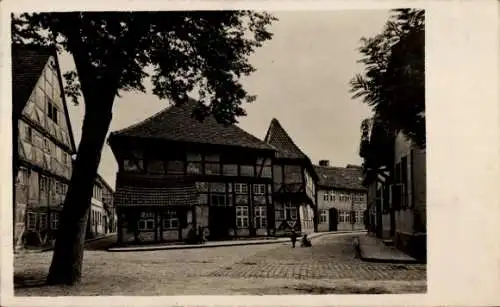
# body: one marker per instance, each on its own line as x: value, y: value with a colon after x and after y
x: 221, y: 220
x: 333, y: 219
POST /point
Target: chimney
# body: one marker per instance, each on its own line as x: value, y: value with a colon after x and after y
x: 324, y: 163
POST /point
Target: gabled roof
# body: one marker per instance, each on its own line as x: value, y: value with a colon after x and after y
x: 347, y: 178
x: 28, y: 63
x: 279, y: 139
x: 176, y: 123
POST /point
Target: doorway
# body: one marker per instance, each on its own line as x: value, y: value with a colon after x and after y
x: 333, y: 219
x: 221, y: 220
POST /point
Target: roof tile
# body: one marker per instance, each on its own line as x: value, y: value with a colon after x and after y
x: 176, y: 123
x: 348, y: 178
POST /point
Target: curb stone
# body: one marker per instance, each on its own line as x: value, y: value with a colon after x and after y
x: 360, y: 254
x: 235, y: 243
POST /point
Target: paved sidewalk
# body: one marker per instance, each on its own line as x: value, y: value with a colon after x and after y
x: 217, y: 243
x: 50, y: 248
x: 374, y: 250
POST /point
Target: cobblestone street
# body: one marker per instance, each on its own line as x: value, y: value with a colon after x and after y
x: 328, y: 267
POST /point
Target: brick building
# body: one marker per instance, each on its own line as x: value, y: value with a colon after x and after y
x: 342, y: 199
x: 177, y: 174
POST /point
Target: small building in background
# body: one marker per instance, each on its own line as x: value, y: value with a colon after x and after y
x: 342, y: 199
x: 102, y: 214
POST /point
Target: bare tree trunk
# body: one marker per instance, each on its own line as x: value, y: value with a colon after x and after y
x: 66, y: 267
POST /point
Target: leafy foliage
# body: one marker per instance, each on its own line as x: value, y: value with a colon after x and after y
x: 181, y: 52
x: 394, y: 79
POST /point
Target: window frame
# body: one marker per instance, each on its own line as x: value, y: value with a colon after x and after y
x: 242, y: 215
x: 31, y: 224
x: 260, y: 217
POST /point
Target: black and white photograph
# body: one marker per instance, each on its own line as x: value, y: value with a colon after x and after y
x: 219, y: 152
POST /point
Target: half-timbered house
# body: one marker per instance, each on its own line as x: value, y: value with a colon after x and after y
x: 294, y: 184
x: 44, y: 143
x: 176, y: 175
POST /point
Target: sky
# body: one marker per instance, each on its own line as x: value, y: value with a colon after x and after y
x: 302, y: 79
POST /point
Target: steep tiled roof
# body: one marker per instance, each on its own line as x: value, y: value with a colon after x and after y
x: 279, y: 139
x: 27, y: 65
x: 176, y: 123
x: 349, y: 178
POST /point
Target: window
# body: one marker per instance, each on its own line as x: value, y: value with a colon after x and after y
x: 279, y: 213
x: 323, y: 216
x: 359, y: 217
x: 65, y: 158
x: 31, y: 221
x: 260, y: 217
x: 23, y: 176
x: 267, y: 172
x: 241, y: 188
x: 259, y: 189
x: 277, y: 174
x: 202, y: 186
x: 202, y: 199
x: 247, y: 170
x: 242, y: 216
x: 156, y: 166
x: 290, y: 212
x: 54, y: 220
x: 344, y: 217
x: 194, y: 168
x: 46, y: 145
x: 326, y: 197
x: 175, y: 167
x: 218, y: 200
x: 404, y: 181
x: 43, y: 183
x: 29, y: 133
x: 230, y: 170
x: 43, y: 221
x: 146, y: 222
x: 332, y: 195
x: 52, y: 112
x: 170, y: 220
x: 212, y: 168
x: 293, y: 174
x: 131, y: 165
